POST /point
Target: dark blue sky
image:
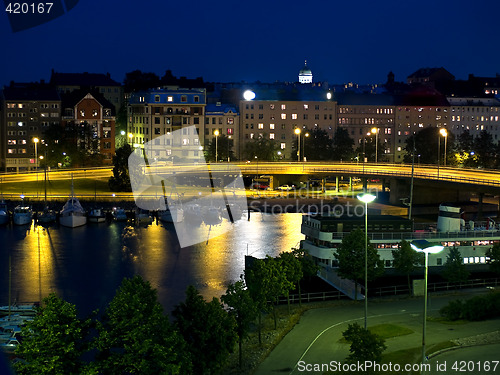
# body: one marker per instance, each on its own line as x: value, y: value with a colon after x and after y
x: 343, y: 41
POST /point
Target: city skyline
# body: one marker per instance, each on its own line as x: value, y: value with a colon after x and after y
x: 265, y: 42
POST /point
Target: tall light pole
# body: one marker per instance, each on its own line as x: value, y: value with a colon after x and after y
x: 297, y: 131
x: 216, y: 133
x: 426, y: 247
x: 366, y: 198
x: 375, y: 131
x: 130, y: 136
x: 444, y: 133
x: 35, y: 141
x: 304, y: 146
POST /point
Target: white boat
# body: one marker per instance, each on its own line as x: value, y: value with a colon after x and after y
x: 172, y: 214
x: 97, y: 215
x: 119, y: 214
x: 22, y: 215
x: 4, y: 213
x: 143, y: 217
x: 21, y: 309
x: 72, y: 214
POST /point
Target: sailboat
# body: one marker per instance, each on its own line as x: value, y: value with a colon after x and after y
x: 47, y: 216
x: 72, y: 214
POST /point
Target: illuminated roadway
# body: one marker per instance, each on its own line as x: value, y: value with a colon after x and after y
x: 369, y: 170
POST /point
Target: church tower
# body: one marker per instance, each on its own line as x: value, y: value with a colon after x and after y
x: 305, y: 74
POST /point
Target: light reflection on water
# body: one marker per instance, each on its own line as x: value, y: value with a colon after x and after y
x: 85, y: 265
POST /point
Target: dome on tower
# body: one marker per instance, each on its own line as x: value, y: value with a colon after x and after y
x: 305, y: 74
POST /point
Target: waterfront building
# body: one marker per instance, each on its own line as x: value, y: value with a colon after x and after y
x: 93, y: 116
x: 27, y: 110
x: 158, y: 112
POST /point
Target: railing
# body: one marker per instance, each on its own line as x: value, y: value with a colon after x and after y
x: 398, y: 236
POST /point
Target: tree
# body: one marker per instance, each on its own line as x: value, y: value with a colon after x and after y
x: 136, y: 337
x: 242, y: 308
x: 426, y: 145
x: 342, y: 145
x: 54, y: 341
x: 454, y: 269
x: 494, y: 258
x: 292, y: 268
x: 208, y: 329
x: 120, y: 181
x: 351, y: 259
x: 484, y: 149
x: 262, y: 147
x: 406, y: 260
x: 308, y: 266
x: 365, y: 346
x: 464, y: 148
x: 224, y: 149
x: 314, y: 145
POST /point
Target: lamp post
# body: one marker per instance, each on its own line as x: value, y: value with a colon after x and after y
x: 426, y: 247
x: 35, y: 141
x: 366, y: 198
x: 130, y: 136
x: 304, y: 146
x: 216, y: 133
x: 375, y: 131
x: 444, y: 133
x: 297, y: 131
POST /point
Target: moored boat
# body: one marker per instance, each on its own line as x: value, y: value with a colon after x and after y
x: 22, y: 215
x: 46, y: 216
x: 97, y: 215
x: 4, y: 213
x: 119, y: 214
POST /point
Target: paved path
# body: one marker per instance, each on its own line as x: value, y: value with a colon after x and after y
x: 315, y: 338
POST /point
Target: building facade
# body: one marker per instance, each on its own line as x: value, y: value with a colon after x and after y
x: 225, y: 119
x: 475, y: 115
x: 27, y: 111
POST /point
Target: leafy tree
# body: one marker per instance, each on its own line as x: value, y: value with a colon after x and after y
x: 120, y: 181
x: 262, y: 147
x: 342, y: 145
x: 279, y: 284
x: 426, y: 145
x: 208, y: 329
x: 484, y: 149
x: 54, y: 341
x: 494, y: 255
x: 308, y: 266
x: 242, y: 308
x: 121, y: 126
x: 258, y: 279
x: 314, y: 145
x: 351, y: 259
x: 292, y: 268
x: 135, y: 337
x: 365, y: 346
x: 464, y: 148
x: 370, y: 151
x: 454, y: 269
x: 406, y: 260
x: 224, y: 149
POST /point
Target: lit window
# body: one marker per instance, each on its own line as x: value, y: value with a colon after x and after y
x: 283, y: 146
x: 306, y: 106
x: 271, y: 136
x: 261, y: 126
x: 170, y: 98
x: 283, y: 116
x: 294, y: 116
x: 271, y: 126
x: 283, y: 106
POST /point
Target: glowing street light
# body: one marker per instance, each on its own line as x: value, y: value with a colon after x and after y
x: 444, y: 133
x: 304, y: 146
x: 130, y: 136
x: 216, y: 133
x: 366, y: 198
x: 426, y: 247
x: 297, y: 131
x: 375, y: 131
x: 35, y: 141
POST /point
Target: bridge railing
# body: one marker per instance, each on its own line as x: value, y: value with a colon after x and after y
x: 463, y: 235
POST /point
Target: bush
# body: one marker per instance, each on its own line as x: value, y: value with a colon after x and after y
x: 474, y: 309
x: 453, y: 310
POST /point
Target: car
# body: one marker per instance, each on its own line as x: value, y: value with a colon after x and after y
x: 259, y: 186
x: 284, y: 188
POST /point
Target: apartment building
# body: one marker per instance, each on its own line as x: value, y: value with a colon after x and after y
x: 28, y: 109
x: 155, y: 113
x: 225, y: 119
x: 475, y: 115
x: 94, y: 118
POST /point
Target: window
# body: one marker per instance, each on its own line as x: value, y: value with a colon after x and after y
x: 271, y: 106
x: 170, y: 98
x: 271, y: 126
x: 184, y: 98
x: 94, y: 113
x: 157, y: 131
x: 306, y: 106
x: 294, y: 116
x: 271, y: 136
x: 283, y: 116
x: 283, y: 107
x: 261, y: 126
x: 157, y: 98
x: 230, y: 131
x: 230, y: 120
x: 283, y: 146
x: 196, y: 99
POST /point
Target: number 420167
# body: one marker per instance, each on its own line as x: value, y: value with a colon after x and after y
x: 24, y: 8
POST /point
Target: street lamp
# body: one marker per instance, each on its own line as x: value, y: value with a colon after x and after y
x: 36, y: 140
x: 130, y: 136
x: 216, y: 133
x: 375, y: 131
x: 426, y: 247
x: 297, y: 131
x: 304, y: 146
x: 444, y: 133
x: 366, y: 198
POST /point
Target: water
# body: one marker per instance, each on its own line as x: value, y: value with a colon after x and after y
x: 86, y: 265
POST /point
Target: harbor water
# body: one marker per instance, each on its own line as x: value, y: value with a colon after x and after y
x: 86, y: 265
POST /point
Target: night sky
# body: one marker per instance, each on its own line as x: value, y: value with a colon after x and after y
x: 230, y: 41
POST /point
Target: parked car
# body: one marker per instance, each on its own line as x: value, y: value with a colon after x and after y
x: 258, y: 186
x: 285, y: 188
